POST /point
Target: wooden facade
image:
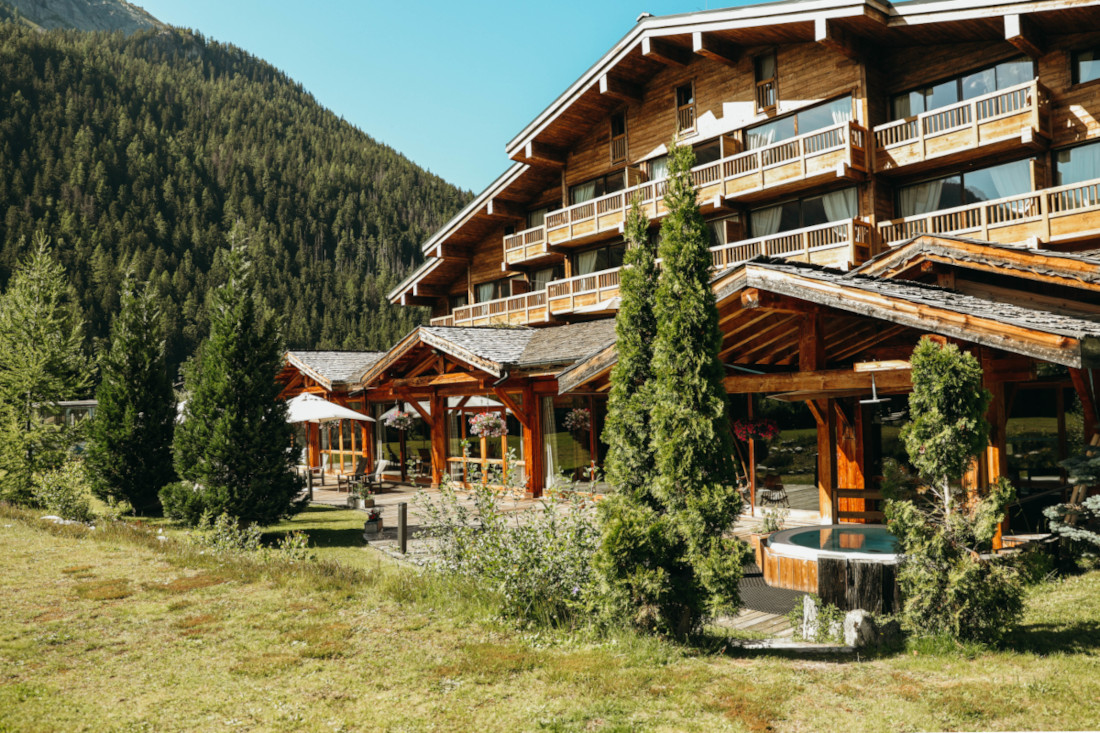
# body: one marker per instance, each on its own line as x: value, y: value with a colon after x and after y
x: 828, y: 135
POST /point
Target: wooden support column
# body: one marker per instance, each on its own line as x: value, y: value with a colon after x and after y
x: 313, y: 439
x: 439, y: 438
x: 532, y: 443
x: 1083, y: 386
x: 826, y: 458
x: 752, y: 462
x: 850, y: 455
x: 996, y: 463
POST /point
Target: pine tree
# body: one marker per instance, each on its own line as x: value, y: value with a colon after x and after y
x: 696, y: 478
x: 41, y: 362
x: 234, y: 443
x: 130, y: 447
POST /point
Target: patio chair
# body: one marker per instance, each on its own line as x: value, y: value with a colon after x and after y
x: 320, y: 470
x: 374, y: 479
x: 351, y: 479
x: 773, y: 493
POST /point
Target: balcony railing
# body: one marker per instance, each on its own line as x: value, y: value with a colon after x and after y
x: 846, y: 241
x: 443, y: 321
x: 565, y: 296
x: 765, y: 95
x: 685, y: 119
x: 814, y: 156
x: 954, y: 130
x: 1060, y: 214
x: 516, y: 309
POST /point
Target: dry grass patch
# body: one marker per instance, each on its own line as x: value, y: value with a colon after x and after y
x: 80, y: 571
x: 322, y: 641
x: 265, y: 665
x: 187, y: 583
x: 105, y: 590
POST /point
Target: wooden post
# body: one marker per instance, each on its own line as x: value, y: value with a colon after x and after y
x: 1063, y: 445
x: 1083, y: 385
x: 403, y: 527
x: 752, y: 464
x: 826, y: 458
x: 532, y: 442
x: 439, y: 438
x: 850, y: 458
x: 995, y: 462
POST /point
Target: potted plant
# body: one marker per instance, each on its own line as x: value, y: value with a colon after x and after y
x: 773, y: 522
x: 488, y: 425
x: 365, y: 496
x: 372, y: 528
x: 399, y: 420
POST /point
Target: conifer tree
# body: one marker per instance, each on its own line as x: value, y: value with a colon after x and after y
x: 130, y: 447
x: 41, y: 362
x: 696, y: 477
x: 234, y: 443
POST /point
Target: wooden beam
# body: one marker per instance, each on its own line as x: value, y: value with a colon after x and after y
x: 1022, y: 33
x: 614, y: 87
x: 832, y: 37
x: 829, y: 379
x: 711, y: 47
x: 435, y: 380
x: 658, y: 49
x: 423, y: 366
x: 536, y: 153
x: 439, y: 440
x: 764, y: 337
x: 757, y: 298
x: 826, y: 459
x: 498, y: 208
x: 420, y: 290
x: 511, y: 405
x: 811, y: 343
x: 427, y: 416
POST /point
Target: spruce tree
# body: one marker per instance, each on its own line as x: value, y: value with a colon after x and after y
x: 234, y: 443
x: 696, y: 477
x: 42, y: 361
x: 130, y: 447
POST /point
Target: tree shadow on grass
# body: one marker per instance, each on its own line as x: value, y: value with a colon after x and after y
x: 1076, y: 638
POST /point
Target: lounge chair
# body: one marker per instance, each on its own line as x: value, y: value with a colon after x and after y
x: 320, y: 470
x: 351, y: 479
x: 374, y: 479
x: 773, y: 493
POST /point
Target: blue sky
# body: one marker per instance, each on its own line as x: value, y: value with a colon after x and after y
x: 445, y: 83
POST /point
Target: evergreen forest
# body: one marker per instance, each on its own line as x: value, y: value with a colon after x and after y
x: 146, y: 154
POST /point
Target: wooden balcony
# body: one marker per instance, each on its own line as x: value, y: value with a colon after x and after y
x: 783, y: 167
x: 1048, y: 216
x: 567, y: 296
x: 836, y: 244
x: 514, y: 310
x: 980, y: 127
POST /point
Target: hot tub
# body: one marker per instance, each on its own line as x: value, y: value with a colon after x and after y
x: 845, y: 564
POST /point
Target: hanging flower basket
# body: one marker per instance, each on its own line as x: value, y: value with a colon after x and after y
x: 761, y: 429
x: 400, y: 420
x: 578, y: 420
x: 488, y: 425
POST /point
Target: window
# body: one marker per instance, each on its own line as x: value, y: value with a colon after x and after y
x: 597, y: 187
x: 618, y: 137
x: 804, y: 212
x: 657, y: 167
x: 800, y: 123
x: 968, y: 86
x: 685, y: 108
x: 601, y: 258
x: 459, y: 301
x: 541, y: 278
x: 960, y: 189
x: 724, y: 231
x: 537, y: 217
x: 1076, y: 165
x: 708, y: 152
x: 1086, y: 65
x: 764, y: 68
x: 502, y: 288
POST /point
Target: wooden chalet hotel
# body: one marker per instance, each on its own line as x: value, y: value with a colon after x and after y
x: 871, y: 173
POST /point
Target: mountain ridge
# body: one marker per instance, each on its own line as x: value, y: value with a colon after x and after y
x: 84, y: 15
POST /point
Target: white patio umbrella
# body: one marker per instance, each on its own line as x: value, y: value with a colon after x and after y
x: 311, y: 408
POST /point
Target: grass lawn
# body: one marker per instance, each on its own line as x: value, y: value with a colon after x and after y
x: 112, y: 630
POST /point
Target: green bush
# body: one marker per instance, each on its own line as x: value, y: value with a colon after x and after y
x: 183, y: 502
x: 64, y: 492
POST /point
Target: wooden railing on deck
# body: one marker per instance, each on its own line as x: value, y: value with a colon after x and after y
x: 1016, y: 218
x: 502, y: 310
x: 602, y: 283
x: 851, y: 233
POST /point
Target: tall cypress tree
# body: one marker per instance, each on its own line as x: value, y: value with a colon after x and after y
x: 234, y: 442
x: 130, y: 447
x: 696, y: 477
x: 42, y: 361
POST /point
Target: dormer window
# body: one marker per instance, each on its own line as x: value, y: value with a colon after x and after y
x: 685, y: 108
x: 764, y: 68
x: 618, y: 137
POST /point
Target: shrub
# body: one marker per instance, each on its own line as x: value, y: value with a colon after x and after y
x: 64, y: 491
x: 537, y: 561
x: 224, y: 536
x: 183, y: 502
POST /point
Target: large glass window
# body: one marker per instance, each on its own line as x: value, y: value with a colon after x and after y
x: 960, y: 189
x: 805, y: 212
x: 967, y: 86
x: 597, y: 187
x: 601, y: 258
x: 1086, y: 65
x: 473, y: 459
x: 1074, y: 165
x: 800, y: 123
x: 541, y: 278
x: 502, y: 288
x: 571, y: 428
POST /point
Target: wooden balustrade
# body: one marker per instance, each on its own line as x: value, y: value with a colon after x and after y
x: 847, y: 241
x: 1059, y: 214
x: 814, y: 156
x: 997, y: 117
x: 685, y: 119
x: 515, y: 309
x: 765, y: 94
x: 618, y: 149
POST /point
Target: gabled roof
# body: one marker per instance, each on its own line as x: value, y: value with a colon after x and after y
x: 333, y: 369
x: 496, y: 351
x: 1072, y: 269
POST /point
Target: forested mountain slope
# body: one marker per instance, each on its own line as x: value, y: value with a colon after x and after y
x: 86, y: 15
x: 142, y: 153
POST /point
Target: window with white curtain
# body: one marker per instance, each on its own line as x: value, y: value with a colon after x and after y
x: 960, y: 88
x: 800, y: 123
x: 1075, y: 165
x: 805, y: 212
x: 960, y: 189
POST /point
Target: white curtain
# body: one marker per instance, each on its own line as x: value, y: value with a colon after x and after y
x: 766, y: 221
x: 1078, y: 164
x: 541, y: 278
x: 840, y: 205
x: 586, y: 262
x: 658, y: 168
x: 841, y: 110
x: 549, y: 439
x: 921, y: 198
x: 484, y: 292
x: 1012, y: 178
x: 761, y: 136
x: 584, y: 192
